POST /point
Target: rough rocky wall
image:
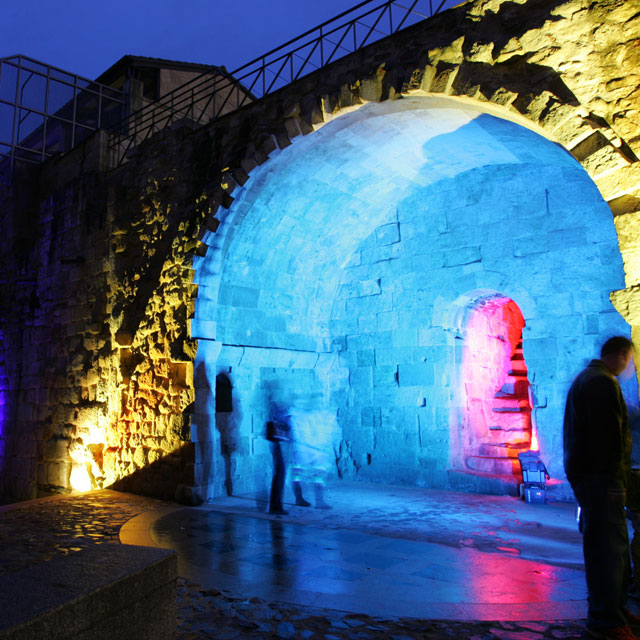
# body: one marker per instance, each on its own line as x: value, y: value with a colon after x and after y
x: 95, y: 333
x: 95, y: 319
x: 53, y: 323
x: 150, y: 298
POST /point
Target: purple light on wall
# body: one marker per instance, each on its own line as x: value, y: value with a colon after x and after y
x: 3, y: 401
x: 3, y: 386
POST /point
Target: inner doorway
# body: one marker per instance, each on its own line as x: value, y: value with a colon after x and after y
x: 496, y: 407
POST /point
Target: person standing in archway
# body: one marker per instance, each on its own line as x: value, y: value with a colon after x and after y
x: 315, y: 434
x: 597, y: 462
x: 279, y: 434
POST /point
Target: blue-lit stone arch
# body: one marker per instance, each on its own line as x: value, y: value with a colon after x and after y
x: 331, y: 270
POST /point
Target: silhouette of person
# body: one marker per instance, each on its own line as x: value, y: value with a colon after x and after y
x: 279, y: 434
x: 633, y: 501
x: 597, y: 462
x: 226, y: 422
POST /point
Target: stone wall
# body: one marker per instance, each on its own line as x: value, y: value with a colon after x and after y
x: 97, y: 272
x: 98, y: 358
x: 232, y: 454
x: 385, y: 219
x: 556, y: 64
x: 407, y: 418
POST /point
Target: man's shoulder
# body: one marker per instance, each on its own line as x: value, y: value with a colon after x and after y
x: 599, y: 381
x: 595, y: 375
x: 596, y: 369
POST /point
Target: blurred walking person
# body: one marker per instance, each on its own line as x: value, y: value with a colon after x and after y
x: 315, y: 432
x: 279, y: 434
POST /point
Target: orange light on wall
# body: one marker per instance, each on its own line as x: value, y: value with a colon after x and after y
x: 534, y: 441
x: 80, y: 480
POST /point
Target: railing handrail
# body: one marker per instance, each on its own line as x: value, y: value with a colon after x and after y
x: 182, y: 101
x: 32, y: 146
x: 9, y: 60
x: 310, y: 31
x: 211, y: 93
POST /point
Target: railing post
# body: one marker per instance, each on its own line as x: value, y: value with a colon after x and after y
x: 264, y: 76
x: 14, y: 133
x: 75, y: 106
x: 46, y: 114
x: 215, y: 98
x: 99, y: 123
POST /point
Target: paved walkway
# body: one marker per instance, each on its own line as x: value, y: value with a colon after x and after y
x: 385, y: 562
x: 384, y: 551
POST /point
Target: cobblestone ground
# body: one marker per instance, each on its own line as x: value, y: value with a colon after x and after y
x: 40, y: 530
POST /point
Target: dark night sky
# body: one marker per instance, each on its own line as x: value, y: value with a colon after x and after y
x: 86, y: 36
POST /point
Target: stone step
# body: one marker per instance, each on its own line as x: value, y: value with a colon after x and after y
x: 513, y: 427
x: 514, y: 389
x: 508, y: 437
x: 517, y: 373
x: 512, y: 401
x: 490, y: 464
x: 504, y: 449
x: 510, y: 429
x: 516, y: 409
x: 487, y: 483
x: 104, y: 591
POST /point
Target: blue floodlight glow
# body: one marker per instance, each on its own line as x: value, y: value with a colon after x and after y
x: 349, y: 266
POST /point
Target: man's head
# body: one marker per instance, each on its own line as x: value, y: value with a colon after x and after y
x: 616, y: 353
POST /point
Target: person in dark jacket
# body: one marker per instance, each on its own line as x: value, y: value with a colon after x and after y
x: 597, y: 462
x: 633, y: 501
x: 279, y: 434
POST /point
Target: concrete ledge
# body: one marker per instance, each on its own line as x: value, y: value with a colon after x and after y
x: 107, y: 592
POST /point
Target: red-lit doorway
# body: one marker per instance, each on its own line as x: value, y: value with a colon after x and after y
x: 495, y: 406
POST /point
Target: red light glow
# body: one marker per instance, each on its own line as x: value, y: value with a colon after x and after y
x: 534, y: 442
x: 496, y: 410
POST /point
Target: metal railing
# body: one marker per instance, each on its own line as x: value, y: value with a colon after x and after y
x: 210, y: 96
x: 45, y: 110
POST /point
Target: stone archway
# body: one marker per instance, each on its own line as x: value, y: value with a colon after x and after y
x: 372, y: 218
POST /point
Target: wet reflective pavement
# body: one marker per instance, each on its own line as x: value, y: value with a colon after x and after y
x: 383, y: 551
x: 39, y: 530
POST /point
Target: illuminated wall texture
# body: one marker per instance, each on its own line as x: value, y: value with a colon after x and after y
x: 99, y: 362
x: 411, y: 244
x: 351, y: 235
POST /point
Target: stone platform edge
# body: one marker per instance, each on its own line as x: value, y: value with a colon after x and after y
x: 106, y: 592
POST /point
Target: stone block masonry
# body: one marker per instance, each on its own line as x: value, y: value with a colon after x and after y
x: 101, y: 268
x: 99, y: 370
x: 106, y: 592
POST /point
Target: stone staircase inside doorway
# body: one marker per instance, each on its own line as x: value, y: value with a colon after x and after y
x: 510, y: 430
